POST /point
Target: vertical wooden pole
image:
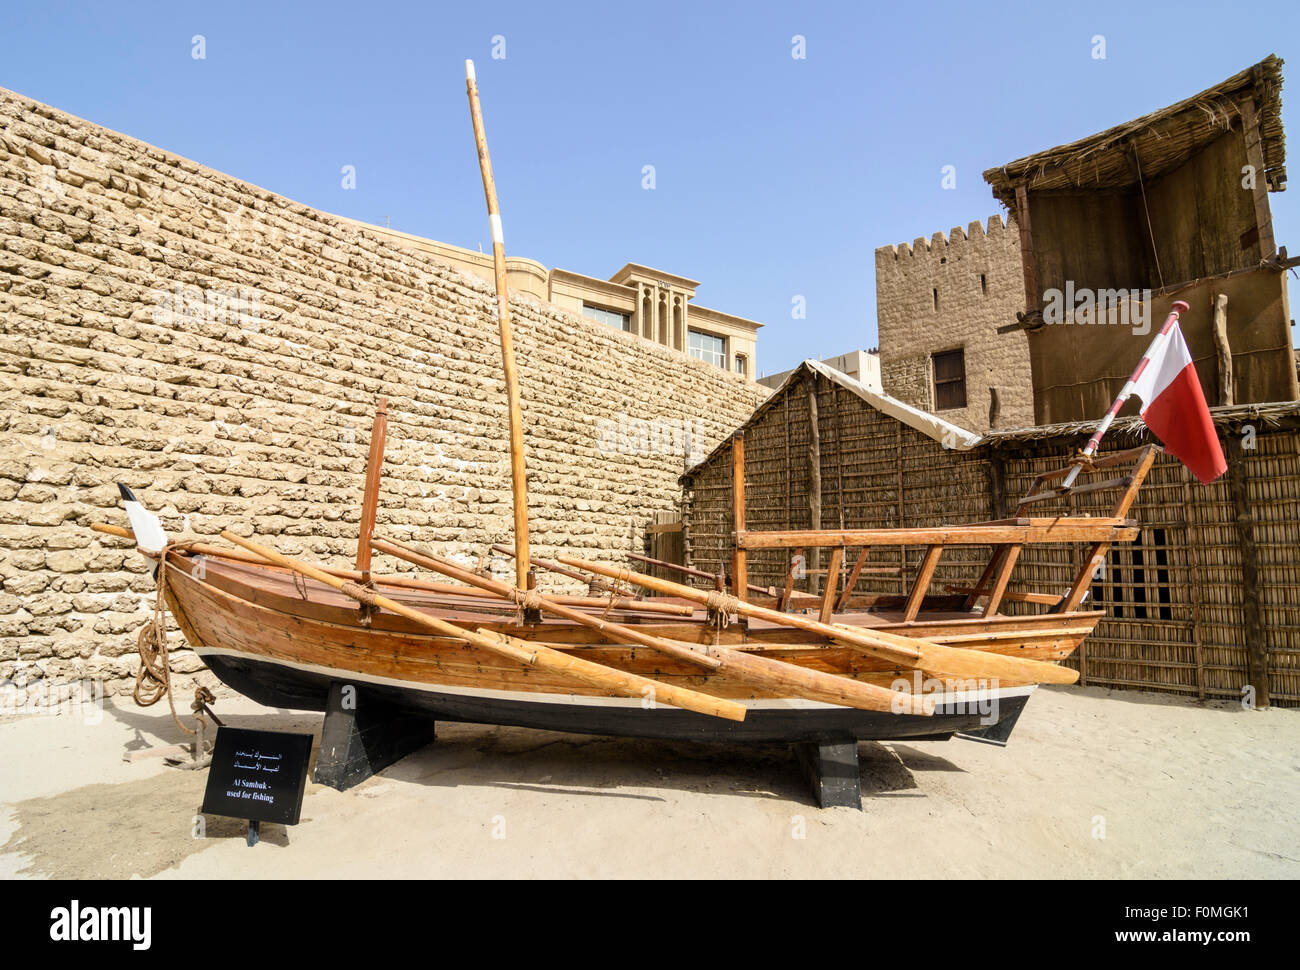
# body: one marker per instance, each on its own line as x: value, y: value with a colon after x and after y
x: 518, y: 482
x: 1252, y: 609
x: 370, y: 500
x: 1223, y: 347
x: 739, y: 568
x: 814, y: 476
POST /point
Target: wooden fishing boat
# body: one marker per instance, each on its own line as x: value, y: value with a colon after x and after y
x: 684, y: 662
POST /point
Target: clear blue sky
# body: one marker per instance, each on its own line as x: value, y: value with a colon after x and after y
x: 775, y: 177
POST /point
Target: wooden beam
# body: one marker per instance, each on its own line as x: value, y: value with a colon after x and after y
x: 1259, y: 195
x: 1064, y: 529
x: 922, y: 583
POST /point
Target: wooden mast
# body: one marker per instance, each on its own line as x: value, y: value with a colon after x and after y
x: 519, y: 485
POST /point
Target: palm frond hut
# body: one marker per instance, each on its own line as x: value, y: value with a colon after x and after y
x: 1206, y: 603
x: 1169, y: 206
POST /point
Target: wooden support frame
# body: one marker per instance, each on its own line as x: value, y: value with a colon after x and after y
x: 922, y: 582
x: 1097, y: 553
x: 1004, y: 576
x: 852, y: 581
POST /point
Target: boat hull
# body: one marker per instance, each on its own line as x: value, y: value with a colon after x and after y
x: 283, y: 641
x: 302, y: 687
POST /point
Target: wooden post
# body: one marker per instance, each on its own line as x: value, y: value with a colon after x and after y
x: 370, y: 500
x: 1033, y: 296
x: 786, y: 593
x: 832, y: 584
x: 814, y: 477
x: 1224, y: 348
x: 518, y: 482
x: 1251, y: 608
x: 739, y: 561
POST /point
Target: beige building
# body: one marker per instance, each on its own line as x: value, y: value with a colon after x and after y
x: 946, y: 310
x: 637, y: 299
x: 861, y: 365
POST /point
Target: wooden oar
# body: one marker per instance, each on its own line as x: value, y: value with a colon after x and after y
x: 529, y: 654
x: 782, y: 679
x: 907, y: 651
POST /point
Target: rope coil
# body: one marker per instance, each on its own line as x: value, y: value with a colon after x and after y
x: 153, y: 679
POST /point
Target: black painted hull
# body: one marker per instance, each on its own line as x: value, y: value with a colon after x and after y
x: 277, y: 685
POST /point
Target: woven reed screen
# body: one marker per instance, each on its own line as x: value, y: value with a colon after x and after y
x: 1177, y: 616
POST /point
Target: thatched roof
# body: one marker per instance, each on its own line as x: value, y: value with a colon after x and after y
x: 1162, y: 140
x: 1132, y: 430
x: 945, y: 432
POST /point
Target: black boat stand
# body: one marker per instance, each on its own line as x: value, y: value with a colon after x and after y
x: 364, y: 734
x: 832, y: 770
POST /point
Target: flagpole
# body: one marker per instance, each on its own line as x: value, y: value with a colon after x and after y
x: 1091, y: 448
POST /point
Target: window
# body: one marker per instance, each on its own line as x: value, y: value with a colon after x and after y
x: 936, y: 297
x: 949, y: 380
x: 601, y: 315
x: 707, y: 347
x: 742, y: 364
x: 984, y: 284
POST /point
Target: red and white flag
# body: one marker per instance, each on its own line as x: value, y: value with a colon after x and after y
x: 1173, y: 407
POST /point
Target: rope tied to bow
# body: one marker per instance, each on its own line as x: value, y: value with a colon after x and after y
x: 153, y: 679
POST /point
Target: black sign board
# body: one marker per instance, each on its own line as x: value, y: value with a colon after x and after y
x: 258, y: 775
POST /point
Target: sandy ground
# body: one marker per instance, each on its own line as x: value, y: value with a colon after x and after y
x: 1093, y: 784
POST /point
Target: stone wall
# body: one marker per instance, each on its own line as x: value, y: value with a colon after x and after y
x: 220, y: 349
x: 977, y: 274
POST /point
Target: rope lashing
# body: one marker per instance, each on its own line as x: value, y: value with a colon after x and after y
x: 723, y: 608
x: 363, y: 594
x: 527, y: 600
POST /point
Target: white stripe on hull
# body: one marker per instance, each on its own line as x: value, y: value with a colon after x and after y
x: 964, y: 697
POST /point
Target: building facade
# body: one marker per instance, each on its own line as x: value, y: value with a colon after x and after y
x: 650, y: 303
x: 946, y: 310
x: 861, y: 365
